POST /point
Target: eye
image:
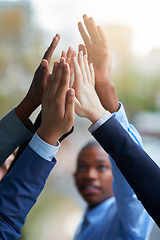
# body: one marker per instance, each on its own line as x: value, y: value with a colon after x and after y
x: 102, y: 168
x: 81, y: 168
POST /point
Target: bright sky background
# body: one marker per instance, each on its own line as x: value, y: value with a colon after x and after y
x: 143, y: 16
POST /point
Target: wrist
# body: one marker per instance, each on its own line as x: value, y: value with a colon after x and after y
x: 23, y: 111
x: 104, y: 82
x: 96, y: 115
x: 106, y: 92
x: 102, y: 77
x: 47, y: 136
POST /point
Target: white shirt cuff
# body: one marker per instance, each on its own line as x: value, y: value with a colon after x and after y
x: 102, y: 120
x: 42, y: 148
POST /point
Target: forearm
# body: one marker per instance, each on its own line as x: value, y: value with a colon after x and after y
x: 122, y: 190
x: 122, y: 118
x: 13, y: 133
x: 131, y: 213
x: 137, y: 167
x: 25, y: 109
x: 19, y: 191
x: 126, y: 200
x: 107, y: 88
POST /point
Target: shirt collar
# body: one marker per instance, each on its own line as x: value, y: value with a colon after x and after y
x: 98, y: 211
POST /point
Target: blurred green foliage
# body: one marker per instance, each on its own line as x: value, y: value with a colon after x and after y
x: 137, y: 91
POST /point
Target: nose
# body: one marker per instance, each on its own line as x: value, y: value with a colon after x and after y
x: 91, y: 173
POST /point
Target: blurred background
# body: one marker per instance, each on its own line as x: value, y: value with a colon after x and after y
x: 132, y: 29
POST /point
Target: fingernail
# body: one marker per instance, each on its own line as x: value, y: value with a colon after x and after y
x: 71, y: 91
x: 61, y: 60
x: 65, y: 66
x: 91, y: 64
x: 56, y: 64
x: 74, y: 53
x: 44, y: 63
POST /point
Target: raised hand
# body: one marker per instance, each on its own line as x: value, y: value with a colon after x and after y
x: 87, y: 102
x: 99, y: 54
x: 35, y: 93
x: 69, y: 59
x: 97, y: 47
x: 57, y: 105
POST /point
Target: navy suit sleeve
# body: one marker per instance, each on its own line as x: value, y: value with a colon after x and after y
x: 13, y: 133
x: 19, y: 191
x: 138, y: 168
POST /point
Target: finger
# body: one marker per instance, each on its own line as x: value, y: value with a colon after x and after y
x: 71, y: 72
x: 87, y: 68
x: 64, y: 84
x: 69, y: 55
x: 63, y: 54
x: 44, y: 69
x: 84, y: 36
x: 72, y: 68
x: 78, y: 75
x: 50, y: 78
x: 57, y: 78
x: 82, y: 66
x: 51, y: 48
x: 92, y: 74
x: 101, y: 34
x: 54, y: 70
x: 92, y: 29
x: 42, y: 76
x: 70, y: 106
x: 82, y: 48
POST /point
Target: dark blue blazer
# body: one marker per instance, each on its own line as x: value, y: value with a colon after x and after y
x: 19, y: 191
x: 141, y: 172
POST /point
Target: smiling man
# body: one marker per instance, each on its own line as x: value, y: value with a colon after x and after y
x: 112, y: 212
x: 93, y: 175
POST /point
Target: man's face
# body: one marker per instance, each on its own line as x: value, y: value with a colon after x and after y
x: 94, y: 176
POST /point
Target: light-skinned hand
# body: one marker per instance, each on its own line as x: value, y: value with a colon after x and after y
x: 87, y: 102
x: 69, y: 59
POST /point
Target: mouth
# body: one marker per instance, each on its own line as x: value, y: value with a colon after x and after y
x: 91, y: 189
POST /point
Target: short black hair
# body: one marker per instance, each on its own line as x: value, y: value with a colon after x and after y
x: 90, y: 144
